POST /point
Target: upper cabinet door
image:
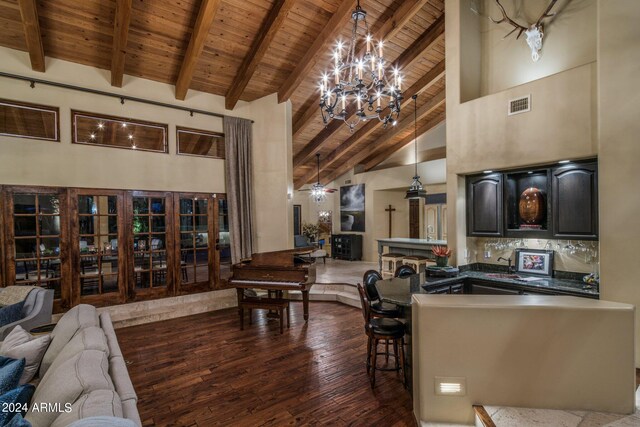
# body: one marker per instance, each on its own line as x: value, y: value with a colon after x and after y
x: 575, y: 201
x: 484, y: 205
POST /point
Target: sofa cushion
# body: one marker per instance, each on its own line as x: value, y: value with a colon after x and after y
x: 105, y: 403
x: 90, y: 338
x: 79, y: 317
x: 83, y: 373
x: 10, y: 372
x: 11, y: 313
x: 110, y: 333
x: 15, y: 401
x: 21, y: 344
x: 117, y: 365
x: 103, y: 422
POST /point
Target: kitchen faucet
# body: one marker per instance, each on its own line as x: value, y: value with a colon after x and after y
x: 509, y: 268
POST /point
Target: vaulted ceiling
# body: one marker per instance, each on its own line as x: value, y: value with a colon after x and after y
x: 244, y: 50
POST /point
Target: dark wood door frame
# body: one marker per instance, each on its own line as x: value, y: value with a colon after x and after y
x: 9, y: 270
x: 169, y: 289
x: 74, y: 242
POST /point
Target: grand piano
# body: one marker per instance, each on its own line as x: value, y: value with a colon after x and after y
x: 276, y: 271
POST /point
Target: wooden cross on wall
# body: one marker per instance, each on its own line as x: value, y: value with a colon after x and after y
x: 390, y: 209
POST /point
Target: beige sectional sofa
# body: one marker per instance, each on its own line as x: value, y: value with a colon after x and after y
x: 83, y: 374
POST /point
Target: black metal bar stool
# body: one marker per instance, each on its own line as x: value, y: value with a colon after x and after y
x: 382, y: 329
x: 404, y: 271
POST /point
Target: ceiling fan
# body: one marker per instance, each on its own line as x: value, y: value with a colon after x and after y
x: 318, y: 191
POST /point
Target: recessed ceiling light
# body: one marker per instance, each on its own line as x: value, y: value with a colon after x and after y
x: 564, y: 161
x: 487, y: 171
x: 92, y: 136
x: 530, y: 172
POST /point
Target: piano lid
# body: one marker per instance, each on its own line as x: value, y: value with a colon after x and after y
x: 285, y: 258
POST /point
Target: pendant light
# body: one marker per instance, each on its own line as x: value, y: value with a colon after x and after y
x: 415, y: 191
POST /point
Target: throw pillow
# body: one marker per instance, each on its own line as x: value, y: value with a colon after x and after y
x: 10, y: 372
x: 15, y: 402
x: 32, y: 350
x: 18, y: 421
x: 11, y: 313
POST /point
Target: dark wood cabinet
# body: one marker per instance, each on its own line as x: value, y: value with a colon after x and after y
x: 482, y: 289
x: 569, y: 195
x: 575, y: 201
x: 485, y: 205
x: 346, y: 246
x: 457, y: 288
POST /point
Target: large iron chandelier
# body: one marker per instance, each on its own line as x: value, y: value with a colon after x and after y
x: 360, y: 83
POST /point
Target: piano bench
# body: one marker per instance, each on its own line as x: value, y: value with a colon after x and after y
x: 276, y: 304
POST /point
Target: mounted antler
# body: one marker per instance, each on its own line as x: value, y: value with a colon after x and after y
x: 545, y: 14
x: 506, y: 18
x: 534, y: 33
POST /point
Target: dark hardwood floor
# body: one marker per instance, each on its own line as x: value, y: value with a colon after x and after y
x: 203, y: 371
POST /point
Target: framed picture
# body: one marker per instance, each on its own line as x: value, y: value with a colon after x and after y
x: 352, y: 208
x: 534, y: 261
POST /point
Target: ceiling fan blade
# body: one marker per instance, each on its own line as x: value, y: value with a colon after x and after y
x: 330, y: 190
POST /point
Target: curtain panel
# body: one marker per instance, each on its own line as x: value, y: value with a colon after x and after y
x: 238, y: 140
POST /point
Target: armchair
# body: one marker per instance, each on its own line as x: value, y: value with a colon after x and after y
x: 36, y: 311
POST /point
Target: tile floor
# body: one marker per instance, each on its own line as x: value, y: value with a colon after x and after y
x: 337, y: 271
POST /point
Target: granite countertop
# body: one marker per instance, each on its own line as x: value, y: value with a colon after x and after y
x: 413, y: 241
x: 399, y: 291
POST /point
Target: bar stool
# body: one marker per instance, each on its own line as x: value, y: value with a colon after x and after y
x: 404, y: 271
x: 382, y: 329
x: 418, y: 262
x: 391, y: 261
x: 377, y: 307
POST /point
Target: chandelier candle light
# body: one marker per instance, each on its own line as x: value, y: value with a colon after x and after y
x: 360, y: 81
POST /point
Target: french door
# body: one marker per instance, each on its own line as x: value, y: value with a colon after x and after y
x: 150, y: 245
x: 106, y: 247
x: 98, y: 259
x: 35, y: 223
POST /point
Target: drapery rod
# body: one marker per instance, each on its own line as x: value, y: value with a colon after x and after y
x: 122, y: 98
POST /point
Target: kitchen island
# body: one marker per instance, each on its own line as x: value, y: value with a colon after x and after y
x: 475, y: 279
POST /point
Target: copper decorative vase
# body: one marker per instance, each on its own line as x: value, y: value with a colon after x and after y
x: 532, y: 206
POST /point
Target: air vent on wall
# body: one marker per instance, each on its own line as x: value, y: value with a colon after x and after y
x: 519, y: 105
x: 347, y: 182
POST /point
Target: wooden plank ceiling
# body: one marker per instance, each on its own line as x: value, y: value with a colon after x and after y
x: 244, y: 50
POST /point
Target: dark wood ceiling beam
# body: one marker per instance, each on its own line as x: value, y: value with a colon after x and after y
x: 425, y: 82
x: 330, y: 31
x: 31, y: 25
x: 405, y: 124
x: 120, y: 34
x: 259, y: 48
x: 422, y: 44
x: 199, y: 35
x: 382, y: 155
x: 399, y: 19
x: 423, y: 156
x: 387, y: 31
